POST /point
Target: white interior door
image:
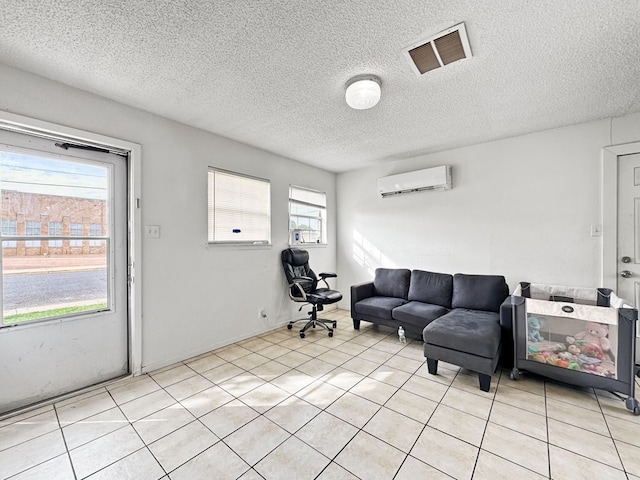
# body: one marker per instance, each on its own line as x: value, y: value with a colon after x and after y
x: 64, y: 291
x: 628, y: 249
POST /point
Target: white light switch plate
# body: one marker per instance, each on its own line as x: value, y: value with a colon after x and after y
x: 152, y: 231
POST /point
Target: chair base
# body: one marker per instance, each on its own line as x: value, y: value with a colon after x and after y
x: 313, y: 322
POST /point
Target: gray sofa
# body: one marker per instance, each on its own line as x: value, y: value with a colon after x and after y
x: 456, y: 315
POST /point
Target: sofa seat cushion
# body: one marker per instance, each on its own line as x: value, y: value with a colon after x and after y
x: 431, y: 287
x: 469, y: 331
x: 417, y: 314
x: 380, y: 307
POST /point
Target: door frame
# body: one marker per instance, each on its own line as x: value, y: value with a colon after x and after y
x: 609, y: 265
x: 134, y: 235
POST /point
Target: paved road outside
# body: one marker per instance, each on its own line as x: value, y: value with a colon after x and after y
x: 52, y: 263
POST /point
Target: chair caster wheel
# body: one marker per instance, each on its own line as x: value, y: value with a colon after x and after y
x: 335, y: 324
x: 301, y: 334
x: 331, y: 334
x: 314, y: 325
x: 289, y: 327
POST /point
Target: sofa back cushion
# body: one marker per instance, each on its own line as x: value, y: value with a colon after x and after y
x: 479, y: 292
x: 391, y: 282
x: 431, y: 287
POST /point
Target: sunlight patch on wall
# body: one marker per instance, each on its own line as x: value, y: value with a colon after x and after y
x: 367, y: 255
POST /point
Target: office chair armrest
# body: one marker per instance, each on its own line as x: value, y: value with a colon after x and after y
x: 302, y: 279
x: 327, y: 275
x: 297, y: 281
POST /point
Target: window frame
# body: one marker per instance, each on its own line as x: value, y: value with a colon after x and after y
x: 55, y: 232
x: 211, y: 209
x: 322, y: 219
x: 74, y: 226
x: 9, y: 229
x: 30, y: 226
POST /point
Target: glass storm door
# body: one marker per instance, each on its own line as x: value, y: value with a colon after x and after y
x: 64, y: 290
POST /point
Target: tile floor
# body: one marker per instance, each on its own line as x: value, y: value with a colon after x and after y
x: 358, y: 405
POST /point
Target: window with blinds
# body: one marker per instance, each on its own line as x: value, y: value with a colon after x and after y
x: 239, y: 208
x: 307, y: 215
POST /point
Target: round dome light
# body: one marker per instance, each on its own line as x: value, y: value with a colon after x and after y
x: 363, y: 92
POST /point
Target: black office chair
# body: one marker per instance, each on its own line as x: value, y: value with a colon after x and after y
x: 303, y: 287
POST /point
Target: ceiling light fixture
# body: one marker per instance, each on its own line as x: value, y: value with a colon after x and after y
x: 363, y: 92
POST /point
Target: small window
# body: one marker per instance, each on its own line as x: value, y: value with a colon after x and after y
x: 55, y: 230
x: 95, y: 230
x: 9, y: 229
x: 239, y: 208
x: 307, y: 215
x: 75, y: 230
x: 33, y: 229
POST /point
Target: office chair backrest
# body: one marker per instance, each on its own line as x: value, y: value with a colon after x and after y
x: 296, y: 264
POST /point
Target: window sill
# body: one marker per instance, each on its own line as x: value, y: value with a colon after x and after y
x: 309, y: 245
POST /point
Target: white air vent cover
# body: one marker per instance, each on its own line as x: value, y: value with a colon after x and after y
x: 439, y: 50
x: 436, y: 178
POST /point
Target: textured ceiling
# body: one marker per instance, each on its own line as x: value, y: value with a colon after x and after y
x: 272, y: 73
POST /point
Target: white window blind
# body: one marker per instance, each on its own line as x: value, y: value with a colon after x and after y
x: 239, y: 208
x: 308, y: 214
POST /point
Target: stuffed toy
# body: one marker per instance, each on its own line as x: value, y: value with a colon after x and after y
x: 533, y: 331
x: 595, y: 333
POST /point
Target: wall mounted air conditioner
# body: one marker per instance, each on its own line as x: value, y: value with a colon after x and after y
x: 436, y: 178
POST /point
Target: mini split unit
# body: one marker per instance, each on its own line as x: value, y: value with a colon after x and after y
x: 436, y: 178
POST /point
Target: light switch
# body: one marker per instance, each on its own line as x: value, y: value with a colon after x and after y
x: 152, y: 231
x: 596, y: 230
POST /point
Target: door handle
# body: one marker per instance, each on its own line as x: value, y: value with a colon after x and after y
x: 625, y: 274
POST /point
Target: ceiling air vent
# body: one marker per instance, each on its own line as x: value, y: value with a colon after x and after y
x: 439, y: 50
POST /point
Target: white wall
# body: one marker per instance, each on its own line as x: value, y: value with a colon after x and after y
x: 520, y: 207
x: 194, y: 297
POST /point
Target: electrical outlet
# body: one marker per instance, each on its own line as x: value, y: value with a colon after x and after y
x: 596, y: 230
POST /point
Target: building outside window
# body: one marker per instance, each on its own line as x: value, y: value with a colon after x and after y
x: 95, y: 230
x: 9, y: 229
x: 307, y: 215
x: 55, y: 230
x: 32, y: 229
x: 75, y: 230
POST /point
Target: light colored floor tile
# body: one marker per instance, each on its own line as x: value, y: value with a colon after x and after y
x: 314, y: 350
x: 58, y: 468
x: 182, y: 445
x: 583, y: 442
x: 413, y: 469
x: 393, y: 346
x: 219, y: 462
x: 527, y: 383
x: 206, y: 401
x: 292, y: 413
x: 342, y: 378
x: 615, y: 407
x: 374, y: 391
x: 320, y: 394
x: 274, y: 351
x: 394, y: 428
x: 293, y: 359
x: 140, y: 387
x: 27, y: 429
x: 264, y: 397
x: 292, y: 381
x: 32, y: 452
x: 458, y: 424
x: 94, y: 456
x: 241, y: 384
x: 335, y: 472
x: 513, y: 396
x: 630, y: 456
x: 251, y: 475
x: 206, y: 363
x: 139, y: 466
x: 91, y: 393
x: 624, y: 430
x: 292, y: 459
x: 360, y: 365
x: 519, y: 420
x: 350, y: 348
x: 175, y: 375
x: 493, y: 467
x: 584, y: 398
x: 256, y: 439
x: 250, y: 361
x: 468, y: 381
x: 374, y: 355
x: 405, y: 364
x: 18, y: 417
x: 327, y: 434
x: 412, y: 405
x: 577, y: 416
x: 316, y: 367
x: 390, y: 375
x: 425, y: 388
x: 232, y: 352
x: 467, y: 402
x: 145, y: 406
x: 228, y: 418
x: 444, y: 375
x: 353, y: 409
x: 72, y: 412
x: 366, y: 339
x: 162, y: 423
x: 565, y: 464
x: 367, y: 457
x: 296, y: 343
x: 188, y: 387
x: 94, y: 427
x: 256, y: 344
x: 222, y: 373
x: 270, y: 370
x: 446, y: 453
x: 335, y: 357
x: 517, y: 448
